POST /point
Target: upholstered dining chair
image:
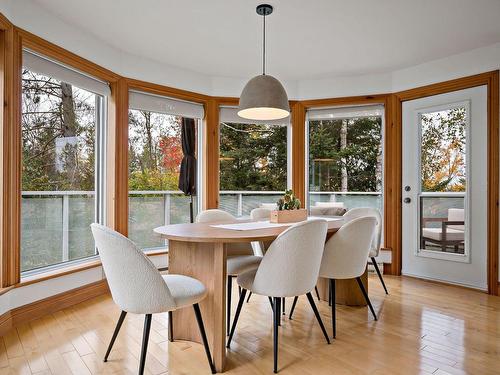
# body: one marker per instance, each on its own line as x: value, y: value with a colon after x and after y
x: 240, y: 256
x: 259, y: 214
x: 345, y: 257
x: 137, y: 287
x: 375, y: 245
x: 289, y: 268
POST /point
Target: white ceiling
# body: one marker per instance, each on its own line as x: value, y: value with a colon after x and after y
x: 306, y: 39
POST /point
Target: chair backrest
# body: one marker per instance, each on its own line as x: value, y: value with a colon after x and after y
x: 354, y: 213
x: 214, y: 216
x: 260, y: 213
x: 291, y: 264
x: 135, y: 283
x: 346, y: 251
x: 221, y: 216
x: 456, y: 214
x: 330, y: 204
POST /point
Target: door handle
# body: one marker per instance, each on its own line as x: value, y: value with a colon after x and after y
x: 407, y: 200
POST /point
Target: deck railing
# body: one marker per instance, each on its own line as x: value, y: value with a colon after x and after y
x: 55, y: 224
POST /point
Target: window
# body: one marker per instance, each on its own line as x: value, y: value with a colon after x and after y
x: 443, y: 179
x: 345, y: 156
x: 155, y: 155
x: 253, y: 162
x: 63, y: 126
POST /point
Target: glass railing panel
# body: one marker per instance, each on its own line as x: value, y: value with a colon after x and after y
x: 146, y: 212
x: 41, y: 231
x: 81, y: 213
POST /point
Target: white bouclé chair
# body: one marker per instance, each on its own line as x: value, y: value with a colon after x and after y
x: 345, y: 257
x: 289, y: 268
x: 375, y: 245
x: 237, y: 261
x: 137, y: 286
x: 259, y: 214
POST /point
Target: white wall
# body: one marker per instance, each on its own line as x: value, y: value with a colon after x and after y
x: 34, y: 292
x: 21, y: 13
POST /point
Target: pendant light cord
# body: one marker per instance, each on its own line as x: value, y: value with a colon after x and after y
x: 264, y: 46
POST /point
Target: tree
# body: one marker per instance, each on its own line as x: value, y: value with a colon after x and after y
x: 345, y: 154
x: 253, y: 157
x: 155, y: 151
x: 58, y: 134
x: 442, y: 152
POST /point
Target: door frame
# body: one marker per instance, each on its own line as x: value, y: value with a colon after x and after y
x: 491, y: 80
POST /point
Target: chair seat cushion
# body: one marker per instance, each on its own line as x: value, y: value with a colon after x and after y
x: 242, y: 263
x: 245, y: 280
x: 436, y: 234
x: 185, y: 290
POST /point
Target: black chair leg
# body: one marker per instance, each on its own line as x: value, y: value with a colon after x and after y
x: 293, y: 307
x: 201, y: 326
x: 367, y: 299
x: 317, y: 293
x: 170, y: 327
x: 334, y: 315
x: 239, y: 290
x: 279, y: 311
x: 249, y: 295
x: 318, y: 317
x: 115, y: 334
x: 228, y: 307
x: 283, y: 306
x: 379, y: 274
x: 145, y: 339
x: 236, y: 316
x: 271, y: 302
x: 276, y: 321
x: 329, y: 295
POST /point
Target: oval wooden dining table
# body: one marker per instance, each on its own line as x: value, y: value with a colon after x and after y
x: 199, y: 250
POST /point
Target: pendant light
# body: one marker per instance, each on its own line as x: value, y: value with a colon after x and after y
x: 263, y: 97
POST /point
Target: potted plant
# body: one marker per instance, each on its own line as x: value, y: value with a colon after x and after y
x: 289, y: 210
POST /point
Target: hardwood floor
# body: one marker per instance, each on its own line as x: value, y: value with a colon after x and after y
x: 424, y: 328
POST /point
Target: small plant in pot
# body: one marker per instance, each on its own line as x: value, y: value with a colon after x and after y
x: 289, y: 210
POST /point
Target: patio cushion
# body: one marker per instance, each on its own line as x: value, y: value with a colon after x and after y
x: 330, y: 204
x: 451, y: 234
x: 327, y: 211
x: 270, y: 206
x: 456, y: 214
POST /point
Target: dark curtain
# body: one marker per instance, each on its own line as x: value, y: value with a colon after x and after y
x: 187, y: 177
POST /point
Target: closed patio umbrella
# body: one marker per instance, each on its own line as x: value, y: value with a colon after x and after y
x: 187, y: 177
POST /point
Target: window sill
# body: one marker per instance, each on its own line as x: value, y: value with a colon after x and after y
x: 52, y: 274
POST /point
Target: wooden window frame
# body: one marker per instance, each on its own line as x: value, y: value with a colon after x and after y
x: 13, y: 40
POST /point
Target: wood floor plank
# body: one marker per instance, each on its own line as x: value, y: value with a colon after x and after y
x: 424, y: 328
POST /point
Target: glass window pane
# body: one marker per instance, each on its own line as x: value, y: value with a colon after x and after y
x: 442, y: 152
x: 443, y: 171
x: 442, y: 224
x: 59, y: 129
x: 155, y: 155
x: 253, y: 166
x: 345, y: 161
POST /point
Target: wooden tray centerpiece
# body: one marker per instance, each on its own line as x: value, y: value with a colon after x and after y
x: 289, y: 210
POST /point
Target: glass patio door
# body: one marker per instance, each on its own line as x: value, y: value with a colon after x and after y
x: 444, y: 187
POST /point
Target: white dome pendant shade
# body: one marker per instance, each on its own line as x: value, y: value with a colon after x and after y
x: 264, y: 97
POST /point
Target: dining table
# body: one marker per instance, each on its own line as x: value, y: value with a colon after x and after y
x: 199, y: 250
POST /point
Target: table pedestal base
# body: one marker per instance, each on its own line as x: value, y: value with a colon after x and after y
x: 207, y: 263
x: 347, y: 291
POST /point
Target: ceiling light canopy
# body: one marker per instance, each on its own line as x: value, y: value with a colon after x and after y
x: 264, y: 97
